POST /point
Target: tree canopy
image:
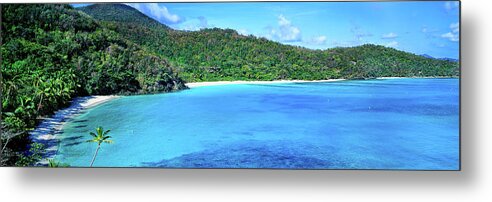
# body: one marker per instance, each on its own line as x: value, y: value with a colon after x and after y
x: 51, y: 53
x: 224, y: 54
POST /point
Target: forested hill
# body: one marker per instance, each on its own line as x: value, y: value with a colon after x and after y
x: 52, y: 53
x: 223, y: 54
x: 121, y: 13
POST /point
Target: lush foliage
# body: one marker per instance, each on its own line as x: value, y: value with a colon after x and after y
x: 51, y: 53
x: 56, y: 164
x: 31, y: 157
x: 99, y: 137
x: 218, y: 54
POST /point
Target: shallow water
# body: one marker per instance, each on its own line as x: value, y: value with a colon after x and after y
x: 371, y: 124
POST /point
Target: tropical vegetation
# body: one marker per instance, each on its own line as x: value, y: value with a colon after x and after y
x: 52, y: 53
x: 223, y: 54
x: 56, y: 164
x: 99, y: 137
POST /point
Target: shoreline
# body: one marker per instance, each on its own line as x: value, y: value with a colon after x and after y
x: 46, y: 132
x: 218, y: 83
x: 416, y: 77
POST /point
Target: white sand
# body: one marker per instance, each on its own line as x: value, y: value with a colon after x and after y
x: 216, y: 83
x: 49, y: 128
x: 392, y: 77
x: 417, y: 77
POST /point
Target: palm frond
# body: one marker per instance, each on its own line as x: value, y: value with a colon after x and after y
x: 99, y: 130
x: 106, y: 132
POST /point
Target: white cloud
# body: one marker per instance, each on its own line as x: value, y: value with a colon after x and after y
x: 454, y: 34
x: 392, y: 44
x: 455, y: 27
x: 449, y: 6
x: 390, y: 35
x: 319, y: 40
x: 196, y: 24
x: 160, y: 13
x: 451, y: 36
x: 282, y: 21
x: 285, y: 31
x: 243, y: 32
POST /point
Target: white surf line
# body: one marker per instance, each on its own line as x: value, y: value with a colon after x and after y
x: 47, y: 131
x: 216, y: 83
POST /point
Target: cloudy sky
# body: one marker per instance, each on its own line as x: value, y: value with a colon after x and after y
x: 419, y: 27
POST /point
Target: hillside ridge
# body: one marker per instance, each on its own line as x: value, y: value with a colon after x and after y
x: 216, y: 54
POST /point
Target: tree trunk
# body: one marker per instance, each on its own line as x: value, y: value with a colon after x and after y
x: 95, y: 154
x: 40, y: 103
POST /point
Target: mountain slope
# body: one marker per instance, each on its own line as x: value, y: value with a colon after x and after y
x: 120, y: 13
x: 52, y: 53
x: 218, y: 54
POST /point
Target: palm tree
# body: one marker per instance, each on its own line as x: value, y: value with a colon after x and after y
x: 99, y: 137
x: 44, y: 92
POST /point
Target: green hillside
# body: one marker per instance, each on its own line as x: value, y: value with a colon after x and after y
x: 218, y: 54
x: 121, y: 13
x: 52, y: 53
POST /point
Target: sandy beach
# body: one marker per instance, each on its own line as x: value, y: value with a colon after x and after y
x: 46, y: 132
x: 415, y: 77
x: 217, y: 83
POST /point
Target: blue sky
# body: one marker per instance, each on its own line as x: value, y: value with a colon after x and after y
x: 419, y: 27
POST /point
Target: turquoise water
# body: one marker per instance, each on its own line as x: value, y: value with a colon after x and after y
x: 370, y: 124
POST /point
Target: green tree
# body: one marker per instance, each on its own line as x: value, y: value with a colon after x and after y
x: 60, y: 54
x: 34, y: 155
x: 99, y: 137
x: 52, y: 163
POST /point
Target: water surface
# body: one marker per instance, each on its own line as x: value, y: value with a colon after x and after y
x: 371, y: 124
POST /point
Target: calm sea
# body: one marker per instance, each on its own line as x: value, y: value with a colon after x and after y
x: 370, y: 124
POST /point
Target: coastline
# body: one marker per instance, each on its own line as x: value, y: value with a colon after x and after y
x: 46, y: 132
x: 416, y: 77
x: 217, y: 83
x: 48, y: 129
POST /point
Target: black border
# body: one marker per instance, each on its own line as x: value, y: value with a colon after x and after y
x: 289, y: 169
